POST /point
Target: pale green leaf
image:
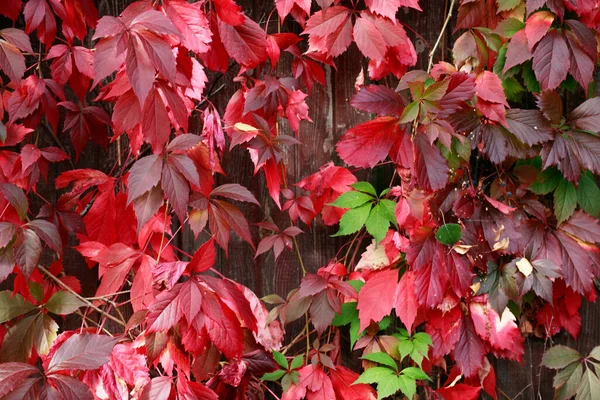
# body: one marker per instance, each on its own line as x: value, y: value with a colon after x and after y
x: 63, y: 303
x: 559, y: 357
x: 12, y: 306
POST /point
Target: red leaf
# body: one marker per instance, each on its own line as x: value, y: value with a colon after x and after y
x: 176, y: 188
x: 389, y: 8
x: 143, y: 176
x: 517, y: 51
x: 406, y: 302
x: 229, y: 12
x: 587, y: 115
x: 191, y: 23
x: 329, y: 31
x: 459, y: 391
x: 12, y: 374
x: 204, y: 258
x: 311, y: 285
x: 551, y: 60
x: 378, y: 99
x: 367, y: 144
x: 488, y: 86
x: 48, y: 232
x: 225, y: 216
x: 158, y: 388
x: 537, y: 26
x: 342, y: 380
x: 583, y: 226
x: 431, y: 169
x: 82, y: 352
x: 233, y: 191
x: 85, y: 123
x: 501, y: 332
x: 39, y: 16
x: 11, y: 9
x: 284, y: 7
x: 129, y: 364
x: 222, y: 326
x: 28, y: 250
x: 12, y: 61
x: 469, y: 350
x: 373, y: 35
x: 376, y: 298
x: 155, y: 123
x: 444, y: 329
x: 245, y: 43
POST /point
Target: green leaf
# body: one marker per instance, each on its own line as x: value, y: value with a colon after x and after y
x: 385, y: 323
x: 448, y: 234
x: 280, y: 359
x: 422, y: 337
x: 297, y: 362
x: 354, y: 332
x: 12, y: 306
x: 393, y: 385
x: 389, y: 207
x: 506, y: 5
x: 529, y: 78
x: 509, y: 26
x: 559, y: 357
x: 36, y: 290
x: 589, y: 387
x: 375, y: 374
x: 378, y: 222
x: 571, y: 382
x: 353, y: 220
x: 410, y: 113
x: 513, y: 89
x: 347, y: 315
x: 407, y: 385
x: 565, y: 374
x: 63, y: 303
x: 273, y: 376
x: 500, y: 60
x: 351, y: 199
x: 365, y: 187
x: 405, y: 347
x: 588, y: 194
x: 356, y: 284
x: 461, y: 149
x: 546, y: 181
x: 45, y: 331
x: 565, y: 201
x: 382, y: 358
x: 415, y: 373
x: 595, y: 353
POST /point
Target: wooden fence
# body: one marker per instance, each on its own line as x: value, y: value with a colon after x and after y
x: 332, y: 115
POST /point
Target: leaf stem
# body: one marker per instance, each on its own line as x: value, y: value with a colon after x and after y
x: 86, y: 301
x: 439, y: 39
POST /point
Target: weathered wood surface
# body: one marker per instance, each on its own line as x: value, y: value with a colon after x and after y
x: 332, y: 115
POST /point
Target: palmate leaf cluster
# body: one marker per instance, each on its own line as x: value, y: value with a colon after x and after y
x: 485, y: 231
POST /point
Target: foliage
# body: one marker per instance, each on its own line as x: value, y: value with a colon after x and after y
x: 487, y: 230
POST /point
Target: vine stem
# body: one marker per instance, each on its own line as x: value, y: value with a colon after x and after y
x: 83, y: 299
x: 439, y: 39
